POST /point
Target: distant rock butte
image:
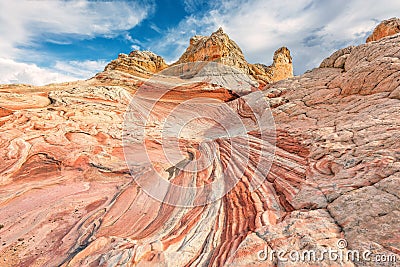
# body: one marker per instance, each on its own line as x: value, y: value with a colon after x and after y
x: 218, y: 48
x: 385, y: 28
x: 67, y: 197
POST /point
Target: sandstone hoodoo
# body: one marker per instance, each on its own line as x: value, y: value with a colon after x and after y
x: 281, y: 68
x: 76, y: 178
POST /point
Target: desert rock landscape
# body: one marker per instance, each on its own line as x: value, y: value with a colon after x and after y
x: 78, y: 159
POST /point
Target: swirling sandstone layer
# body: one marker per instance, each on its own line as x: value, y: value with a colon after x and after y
x: 67, y: 197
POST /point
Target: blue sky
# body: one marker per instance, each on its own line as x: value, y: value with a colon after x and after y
x: 53, y: 41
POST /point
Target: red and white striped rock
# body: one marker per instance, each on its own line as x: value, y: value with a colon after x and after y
x: 67, y: 197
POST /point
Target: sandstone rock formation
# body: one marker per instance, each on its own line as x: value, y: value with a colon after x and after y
x: 337, y: 59
x: 220, y: 48
x: 217, y: 47
x: 142, y: 63
x: 68, y: 197
x: 280, y: 69
x: 385, y: 28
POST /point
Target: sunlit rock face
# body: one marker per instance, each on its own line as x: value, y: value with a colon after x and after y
x: 139, y: 63
x: 218, y: 47
x: 92, y: 172
x: 385, y: 28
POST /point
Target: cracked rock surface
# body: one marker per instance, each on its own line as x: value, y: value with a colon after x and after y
x: 67, y: 197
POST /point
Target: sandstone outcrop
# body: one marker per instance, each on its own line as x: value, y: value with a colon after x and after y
x: 69, y: 198
x: 220, y: 48
x: 142, y: 63
x: 337, y: 59
x: 217, y: 48
x: 385, y: 28
x: 280, y: 69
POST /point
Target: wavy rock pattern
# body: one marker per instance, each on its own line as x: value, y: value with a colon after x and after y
x: 385, y: 28
x: 67, y: 197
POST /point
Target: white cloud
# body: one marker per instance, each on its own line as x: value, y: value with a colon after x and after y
x: 80, y: 69
x: 311, y: 29
x: 192, y: 6
x: 135, y: 47
x: 63, y: 71
x: 135, y: 44
x: 175, y: 40
x: 155, y: 28
x: 23, y: 21
x: 16, y: 72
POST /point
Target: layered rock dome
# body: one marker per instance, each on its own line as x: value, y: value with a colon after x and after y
x: 217, y: 47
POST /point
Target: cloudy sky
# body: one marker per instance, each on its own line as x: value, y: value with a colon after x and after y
x: 52, y: 41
